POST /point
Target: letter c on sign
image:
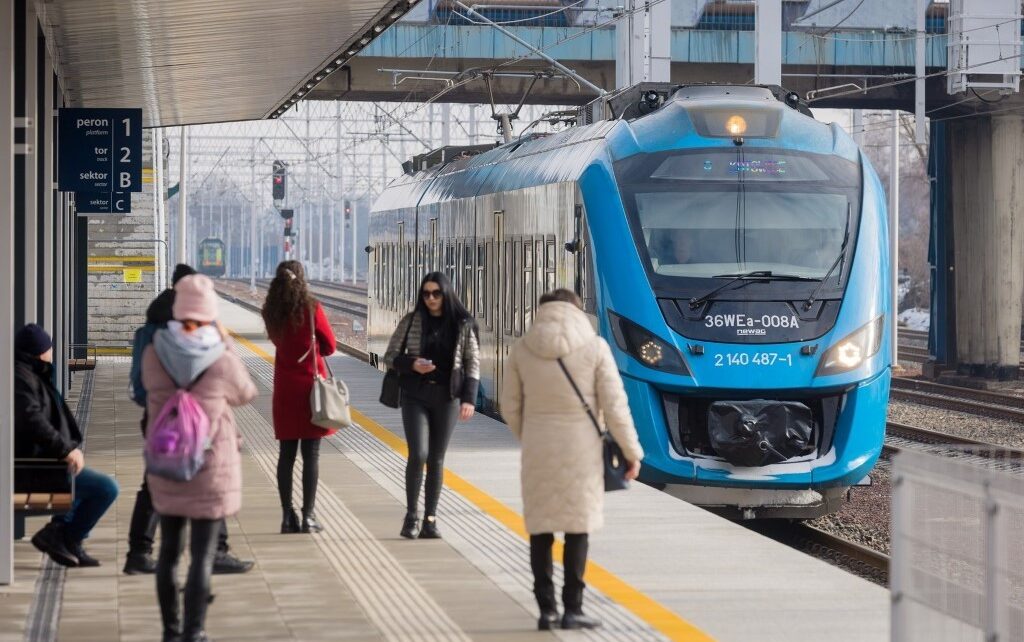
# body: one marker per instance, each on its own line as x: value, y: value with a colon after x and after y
x: 119, y: 205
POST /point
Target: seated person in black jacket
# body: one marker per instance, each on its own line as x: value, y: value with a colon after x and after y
x: 45, y: 428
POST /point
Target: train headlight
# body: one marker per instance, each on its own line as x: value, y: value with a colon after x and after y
x: 852, y: 350
x: 736, y: 125
x: 645, y: 347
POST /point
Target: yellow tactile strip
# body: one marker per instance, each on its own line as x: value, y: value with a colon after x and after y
x: 391, y: 598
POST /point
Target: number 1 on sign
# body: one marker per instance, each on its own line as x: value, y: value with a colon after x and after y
x: 127, y: 126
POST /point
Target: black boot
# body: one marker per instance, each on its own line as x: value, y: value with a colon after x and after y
x: 50, y: 540
x: 429, y: 530
x: 84, y: 559
x: 290, y: 521
x: 411, y: 527
x: 548, y: 608
x: 310, y: 523
x: 224, y: 563
x: 579, y: 621
x: 139, y: 563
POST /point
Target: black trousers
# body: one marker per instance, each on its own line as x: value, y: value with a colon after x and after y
x: 574, y: 562
x: 428, y: 429
x: 197, y: 587
x: 310, y: 472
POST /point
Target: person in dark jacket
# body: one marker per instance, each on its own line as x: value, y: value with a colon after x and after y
x: 437, y: 355
x: 144, y: 521
x: 45, y: 428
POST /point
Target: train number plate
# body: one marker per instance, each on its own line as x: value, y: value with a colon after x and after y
x: 756, y: 359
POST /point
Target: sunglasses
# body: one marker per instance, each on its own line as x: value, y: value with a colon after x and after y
x: 431, y: 294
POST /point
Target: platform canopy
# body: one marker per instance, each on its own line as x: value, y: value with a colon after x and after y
x: 203, y: 61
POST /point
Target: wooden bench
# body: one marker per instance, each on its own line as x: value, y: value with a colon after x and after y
x: 80, y: 363
x: 41, y: 487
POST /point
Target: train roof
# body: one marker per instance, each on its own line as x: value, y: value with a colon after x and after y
x: 543, y: 159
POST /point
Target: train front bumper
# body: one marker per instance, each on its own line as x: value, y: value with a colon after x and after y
x: 857, y: 440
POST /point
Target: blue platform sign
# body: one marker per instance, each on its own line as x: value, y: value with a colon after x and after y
x: 99, y: 150
x: 103, y: 203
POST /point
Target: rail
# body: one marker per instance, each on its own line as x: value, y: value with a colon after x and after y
x: 342, y: 347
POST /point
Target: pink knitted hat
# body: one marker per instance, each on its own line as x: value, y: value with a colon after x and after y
x: 195, y: 299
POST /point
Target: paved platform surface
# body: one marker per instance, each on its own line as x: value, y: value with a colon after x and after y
x: 661, y: 569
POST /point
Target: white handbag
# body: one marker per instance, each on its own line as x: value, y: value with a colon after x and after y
x: 329, y: 399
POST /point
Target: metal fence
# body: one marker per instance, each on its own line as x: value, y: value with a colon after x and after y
x: 957, y: 570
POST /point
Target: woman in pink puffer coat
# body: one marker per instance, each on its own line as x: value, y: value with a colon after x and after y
x: 193, y: 352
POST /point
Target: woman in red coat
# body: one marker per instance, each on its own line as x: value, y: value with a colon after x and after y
x: 291, y: 314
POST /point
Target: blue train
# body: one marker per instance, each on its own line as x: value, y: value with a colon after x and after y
x: 732, y: 250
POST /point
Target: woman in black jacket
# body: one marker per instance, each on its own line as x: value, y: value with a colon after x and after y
x: 44, y: 428
x: 437, y: 355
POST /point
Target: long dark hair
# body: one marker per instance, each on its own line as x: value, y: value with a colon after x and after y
x: 288, y: 299
x: 452, y: 309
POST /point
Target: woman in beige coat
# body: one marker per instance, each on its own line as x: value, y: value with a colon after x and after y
x: 562, y: 464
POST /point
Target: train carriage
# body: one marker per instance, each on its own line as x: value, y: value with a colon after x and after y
x: 731, y: 249
x: 211, y: 257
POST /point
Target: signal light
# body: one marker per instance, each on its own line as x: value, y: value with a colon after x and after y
x: 279, y: 181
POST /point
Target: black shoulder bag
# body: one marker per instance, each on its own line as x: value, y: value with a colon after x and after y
x: 614, y: 461
x: 390, y: 390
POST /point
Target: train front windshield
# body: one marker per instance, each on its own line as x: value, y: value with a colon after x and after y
x: 213, y: 255
x: 708, y: 213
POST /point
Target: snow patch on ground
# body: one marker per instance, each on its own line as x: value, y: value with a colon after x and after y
x: 915, y: 319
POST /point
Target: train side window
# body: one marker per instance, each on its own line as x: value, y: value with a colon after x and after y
x: 550, y: 265
x: 487, y: 294
x: 538, y: 252
x: 391, y: 276
x: 509, y: 268
x: 465, y: 259
x: 481, y: 275
x: 433, y: 249
x: 516, y: 271
x: 528, y: 284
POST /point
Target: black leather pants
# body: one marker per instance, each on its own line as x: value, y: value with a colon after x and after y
x: 202, y: 547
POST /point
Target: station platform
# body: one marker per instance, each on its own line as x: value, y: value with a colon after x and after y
x: 661, y: 569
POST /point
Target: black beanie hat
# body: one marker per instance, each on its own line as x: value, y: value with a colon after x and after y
x: 32, y: 340
x: 181, y: 270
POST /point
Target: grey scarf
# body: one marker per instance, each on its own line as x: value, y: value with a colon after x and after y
x: 184, y: 363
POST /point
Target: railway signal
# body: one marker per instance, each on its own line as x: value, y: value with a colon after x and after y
x: 288, y: 226
x: 279, y: 180
x: 287, y: 214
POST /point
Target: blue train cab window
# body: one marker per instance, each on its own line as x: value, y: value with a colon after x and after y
x: 701, y: 214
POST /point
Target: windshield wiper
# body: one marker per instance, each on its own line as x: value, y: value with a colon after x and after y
x: 811, y: 299
x: 842, y: 254
x: 695, y: 302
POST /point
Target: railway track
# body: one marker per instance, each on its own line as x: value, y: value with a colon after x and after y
x: 855, y: 558
x: 937, y: 395
x: 902, y: 436
x: 342, y: 347
x: 345, y: 306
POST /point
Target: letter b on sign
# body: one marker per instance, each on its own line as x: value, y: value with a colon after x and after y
x: 125, y: 181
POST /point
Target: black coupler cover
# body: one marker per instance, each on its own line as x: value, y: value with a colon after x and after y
x: 760, y: 432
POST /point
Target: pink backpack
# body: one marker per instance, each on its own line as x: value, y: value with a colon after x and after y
x: 176, y: 442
